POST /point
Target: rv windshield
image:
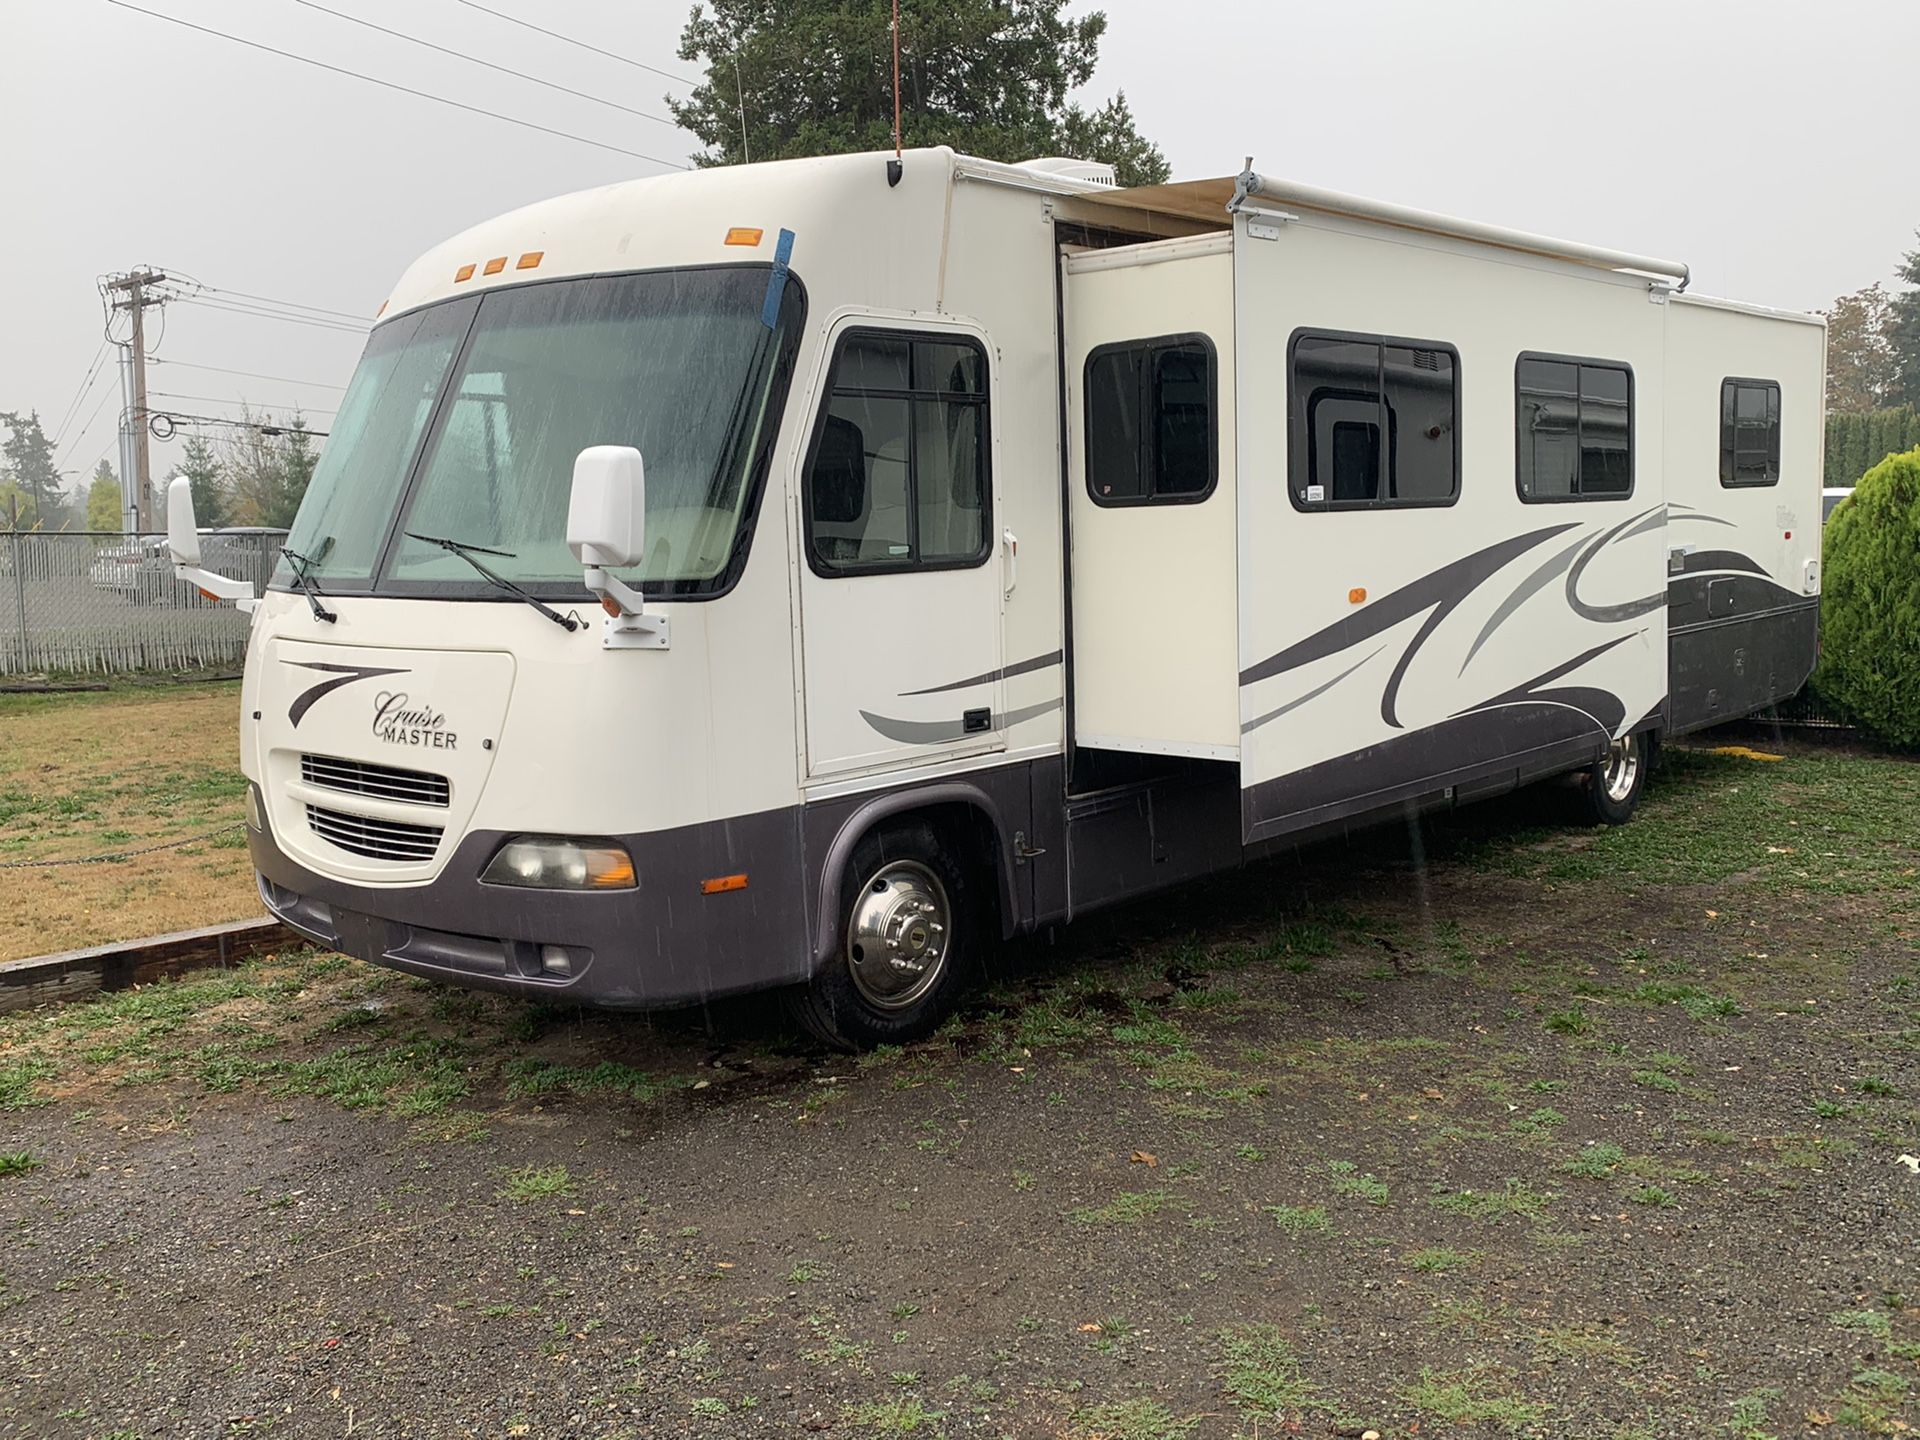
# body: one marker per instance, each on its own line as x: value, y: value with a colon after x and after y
x: 463, y: 421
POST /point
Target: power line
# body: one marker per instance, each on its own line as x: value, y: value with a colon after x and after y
x: 223, y: 400
x: 359, y: 320
x: 80, y: 395
x: 581, y: 44
x: 259, y: 313
x: 250, y: 374
x: 476, y: 60
x: 81, y: 433
x: 264, y: 427
x: 393, y: 85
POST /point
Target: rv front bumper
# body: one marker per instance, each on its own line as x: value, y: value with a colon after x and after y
x: 659, y: 945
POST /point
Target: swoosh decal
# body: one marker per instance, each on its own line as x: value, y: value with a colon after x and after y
x: 1528, y: 587
x: 933, y: 732
x: 307, y: 698
x: 1312, y: 694
x: 1445, y: 587
x: 1609, y: 614
x: 1006, y: 672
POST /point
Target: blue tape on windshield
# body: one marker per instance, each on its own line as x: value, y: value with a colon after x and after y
x: 777, y: 281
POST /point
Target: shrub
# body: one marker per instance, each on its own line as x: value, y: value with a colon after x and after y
x: 1870, y: 608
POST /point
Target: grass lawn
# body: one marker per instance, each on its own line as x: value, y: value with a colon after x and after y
x: 101, y: 773
x: 1507, y: 1128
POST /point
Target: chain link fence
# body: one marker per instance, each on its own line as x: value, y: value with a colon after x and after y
x: 102, y: 603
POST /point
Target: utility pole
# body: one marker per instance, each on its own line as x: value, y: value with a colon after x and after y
x: 134, y: 287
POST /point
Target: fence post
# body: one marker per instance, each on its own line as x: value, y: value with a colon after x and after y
x: 19, y: 594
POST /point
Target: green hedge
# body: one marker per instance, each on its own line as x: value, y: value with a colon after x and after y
x: 1856, y: 443
x: 1870, y: 603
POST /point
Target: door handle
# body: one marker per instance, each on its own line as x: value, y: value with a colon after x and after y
x: 1012, y: 543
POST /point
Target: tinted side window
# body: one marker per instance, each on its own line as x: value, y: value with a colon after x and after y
x: 1573, y: 429
x: 899, y: 476
x: 1749, y: 432
x: 1151, y: 432
x: 1372, y: 421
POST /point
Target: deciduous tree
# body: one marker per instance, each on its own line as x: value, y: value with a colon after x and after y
x: 789, y: 78
x: 1861, y: 368
x: 103, y: 500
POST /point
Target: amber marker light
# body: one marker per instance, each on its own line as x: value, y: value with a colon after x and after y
x: 495, y: 265
x: 465, y: 272
x: 745, y: 235
x: 616, y: 875
x: 1357, y: 595
x: 721, y: 884
x: 529, y: 260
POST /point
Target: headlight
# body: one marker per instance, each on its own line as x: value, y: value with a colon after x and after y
x: 254, y: 822
x: 546, y: 862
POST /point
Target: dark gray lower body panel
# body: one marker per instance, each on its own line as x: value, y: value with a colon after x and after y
x: 1722, y: 669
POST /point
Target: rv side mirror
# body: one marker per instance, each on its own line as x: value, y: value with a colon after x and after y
x: 607, y: 528
x: 183, y: 532
x: 607, y: 513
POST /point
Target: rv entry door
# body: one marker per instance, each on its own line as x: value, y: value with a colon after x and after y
x: 904, y: 583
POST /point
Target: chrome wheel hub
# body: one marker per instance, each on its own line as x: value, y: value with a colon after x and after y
x: 898, y: 934
x: 1623, y: 768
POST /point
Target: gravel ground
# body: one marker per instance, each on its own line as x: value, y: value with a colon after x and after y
x: 1505, y: 1128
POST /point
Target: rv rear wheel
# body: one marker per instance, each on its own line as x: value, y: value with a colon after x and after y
x: 905, y: 943
x: 1616, y: 781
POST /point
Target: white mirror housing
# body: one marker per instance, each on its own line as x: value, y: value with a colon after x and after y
x: 183, y: 544
x: 607, y: 513
x: 183, y: 528
x: 607, y: 528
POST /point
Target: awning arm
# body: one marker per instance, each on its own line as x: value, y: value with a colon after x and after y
x: 1308, y: 197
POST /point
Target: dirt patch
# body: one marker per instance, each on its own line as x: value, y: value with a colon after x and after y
x: 108, y: 773
x: 1495, y: 1128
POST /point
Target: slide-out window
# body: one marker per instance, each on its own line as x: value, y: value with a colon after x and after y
x: 899, y: 477
x: 1573, y: 428
x: 1373, y: 421
x: 1152, y: 434
x: 1749, y: 432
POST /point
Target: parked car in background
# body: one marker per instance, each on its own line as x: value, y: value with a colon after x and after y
x: 1831, y: 497
x: 139, y: 569
x: 135, y: 567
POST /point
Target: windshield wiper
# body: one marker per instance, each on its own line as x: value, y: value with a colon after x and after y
x: 466, y: 552
x: 300, y: 564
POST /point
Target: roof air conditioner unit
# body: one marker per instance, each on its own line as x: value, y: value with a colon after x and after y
x: 1092, y: 172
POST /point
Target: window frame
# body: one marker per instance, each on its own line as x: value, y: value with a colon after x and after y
x: 1300, y: 448
x: 1729, y: 446
x: 1149, y: 437
x: 1578, y: 497
x: 867, y: 325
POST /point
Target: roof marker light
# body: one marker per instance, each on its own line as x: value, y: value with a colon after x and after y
x: 465, y: 272
x: 745, y: 235
x: 495, y: 265
x: 530, y: 259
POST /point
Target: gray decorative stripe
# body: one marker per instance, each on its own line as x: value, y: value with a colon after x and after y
x: 934, y: 732
x: 1530, y: 689
x: 1609, y: 614
x: 1653, y: 522
x: 1006, y: 672
x: 1445, y: 587
x: 1689, y: 513
x: 1528, y: 588
x: 1312, y: 694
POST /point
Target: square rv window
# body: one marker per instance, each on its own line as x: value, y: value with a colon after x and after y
x: 1151, y: 435
x: 1373, y: 422
x: 1749, y: 432
x: 899, y: 477
x: 1573, y: 429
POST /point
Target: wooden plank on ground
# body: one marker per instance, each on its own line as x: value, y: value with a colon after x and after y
x: 48, y: 979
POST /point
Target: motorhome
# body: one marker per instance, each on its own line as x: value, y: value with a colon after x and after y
x: 808, y: 574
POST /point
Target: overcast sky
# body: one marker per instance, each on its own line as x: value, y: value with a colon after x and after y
x: 1759, y: 140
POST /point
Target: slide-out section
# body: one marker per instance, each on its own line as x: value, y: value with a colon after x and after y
x: 1151, y: 497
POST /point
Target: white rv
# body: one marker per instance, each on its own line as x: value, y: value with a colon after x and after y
x: 778, y: 576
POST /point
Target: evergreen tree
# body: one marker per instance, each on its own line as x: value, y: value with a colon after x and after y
x: 103, y: 500
x: 815, y: 77
x: 211, y: 502
x: 26, y: 460
x: 1903, y: 332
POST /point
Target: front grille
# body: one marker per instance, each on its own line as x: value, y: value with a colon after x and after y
x: 383, y: 782
x: 375, y: 839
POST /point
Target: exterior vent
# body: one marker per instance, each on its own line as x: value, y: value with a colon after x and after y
x: 375, y: 839
x: 382, y: 782
x: 1090, y: 172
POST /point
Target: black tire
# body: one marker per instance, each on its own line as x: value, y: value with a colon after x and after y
x: 1615, y: 783
x: 841, y: 1005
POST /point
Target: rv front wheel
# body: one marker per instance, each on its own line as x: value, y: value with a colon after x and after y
x: 905, y: 943
x: 1615, y: 783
